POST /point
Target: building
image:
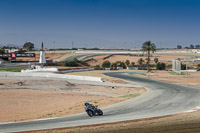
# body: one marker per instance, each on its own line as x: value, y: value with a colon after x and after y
x: 11, y: 50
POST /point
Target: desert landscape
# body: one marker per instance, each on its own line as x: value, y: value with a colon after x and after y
x: 39, y: 98
x: 136, y: 61
x: 27, y: 99
x: 183, y: 122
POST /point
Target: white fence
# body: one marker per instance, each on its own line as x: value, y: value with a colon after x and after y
x: 50, y: 75
x: 40, y: 69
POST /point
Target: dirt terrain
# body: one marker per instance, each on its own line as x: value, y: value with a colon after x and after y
x: 180, y: 123
x: 49, y: 56
x: 189, y: 79
x: 98, y: 60
x: 39, y: 98
x: 99, y: 73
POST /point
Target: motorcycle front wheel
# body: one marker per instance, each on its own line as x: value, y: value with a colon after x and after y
x: 90, y: 113
x: 100, y: 112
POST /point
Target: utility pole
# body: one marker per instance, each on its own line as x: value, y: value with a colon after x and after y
x: 186, y: 69
x: 54, y: 46
x: 72, y: 44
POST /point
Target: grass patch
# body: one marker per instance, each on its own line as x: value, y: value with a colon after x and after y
x: 130, y: 95
x: 174, y: 73
x: 11, y: 69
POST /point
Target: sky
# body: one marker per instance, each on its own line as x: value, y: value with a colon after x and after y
x: 100, y: 23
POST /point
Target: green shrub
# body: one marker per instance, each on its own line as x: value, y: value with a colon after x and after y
x: 127, y: 62
x: 140, y: 61
x: 198, y: 67
x: 161, y: 66
x: 119, y: 64
x: 132, y: 64
x: 71, y: 63
x: 183, y: 66
x: 106, y: 64
x: 156, y: 60
x: 97, y: 66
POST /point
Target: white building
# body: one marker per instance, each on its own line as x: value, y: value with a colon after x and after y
x: 12, y: 50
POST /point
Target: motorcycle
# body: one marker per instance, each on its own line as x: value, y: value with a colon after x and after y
x: 93, y: 111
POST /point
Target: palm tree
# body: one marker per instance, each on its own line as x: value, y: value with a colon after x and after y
x: 148, y: 47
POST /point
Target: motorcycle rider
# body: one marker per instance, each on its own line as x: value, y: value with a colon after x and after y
x: 92, y: 110
x: 89, y: 105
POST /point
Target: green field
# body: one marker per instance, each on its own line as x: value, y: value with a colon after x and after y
x: 174, y: 73
x: 11, y: 69
x: 130, y: 95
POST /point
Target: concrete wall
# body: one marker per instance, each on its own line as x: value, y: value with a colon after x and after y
x: 176, y: 65
x: 77, y: 70
x: 50, y: 75
x: 40, y: 69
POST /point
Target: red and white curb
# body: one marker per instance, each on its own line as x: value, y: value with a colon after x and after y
x: 193, y: 110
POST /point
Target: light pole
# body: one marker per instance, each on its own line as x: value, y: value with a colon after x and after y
x: 54, y: 46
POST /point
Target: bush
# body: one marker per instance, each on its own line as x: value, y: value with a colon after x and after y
x: 198, y: 67
x: 140, y: 61
x: 183, y: 66
x: 119, y: 64
x: 161, y: 66
x: 132, y: 64
x: 106, y: 64
x: 97, y: 66
x: 2, y: 51
x: 127, y: 62
x: 156, y: 60
x: 71, y: 63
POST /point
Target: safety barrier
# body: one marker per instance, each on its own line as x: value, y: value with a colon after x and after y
x: 50, y: 75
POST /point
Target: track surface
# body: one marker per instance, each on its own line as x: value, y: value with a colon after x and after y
x: 162, y: 99
x: 13, y: 65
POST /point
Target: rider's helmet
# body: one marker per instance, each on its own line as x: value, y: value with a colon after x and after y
x: 86, y: 103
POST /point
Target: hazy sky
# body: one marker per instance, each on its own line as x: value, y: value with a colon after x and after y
x: 100, y: 23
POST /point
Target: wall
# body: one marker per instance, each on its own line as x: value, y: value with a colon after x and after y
x: 50, y: 75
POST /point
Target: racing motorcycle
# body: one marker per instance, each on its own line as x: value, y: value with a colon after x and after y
x: 93, y: 110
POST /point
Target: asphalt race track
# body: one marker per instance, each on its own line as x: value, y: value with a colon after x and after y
x: 13, y: 65
x: 162, y: 99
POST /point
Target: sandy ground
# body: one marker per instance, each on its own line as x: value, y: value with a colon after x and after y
x: 67, y: 55
x: 98, y: 60
x: 98, y: 73
x: 184, y: 123
x: 181, y: 123
x: 45, y: 98
x: 189, y: 79
x: 49, y: 56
